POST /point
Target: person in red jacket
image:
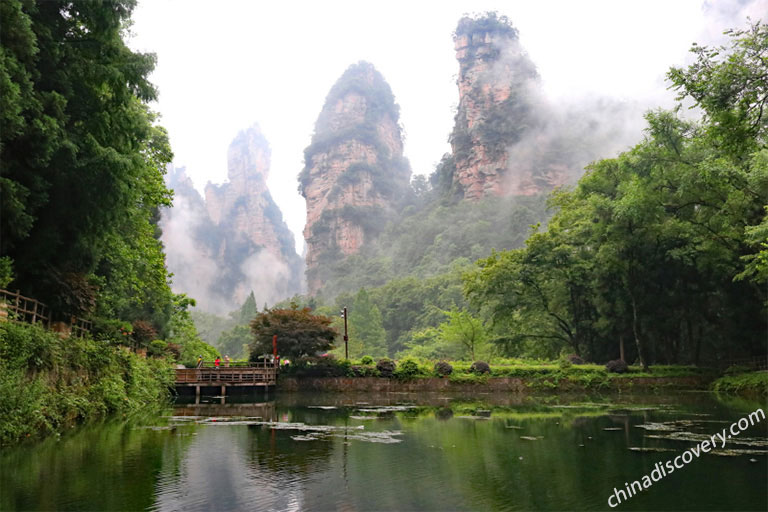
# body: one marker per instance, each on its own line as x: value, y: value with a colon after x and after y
x: 217, y: 362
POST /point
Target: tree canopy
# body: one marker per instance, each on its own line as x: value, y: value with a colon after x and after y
x: 664, y: 245
x: 300, y: 333
x: 81, y: 160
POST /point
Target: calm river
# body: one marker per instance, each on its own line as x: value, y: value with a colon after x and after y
x: 398, y: 452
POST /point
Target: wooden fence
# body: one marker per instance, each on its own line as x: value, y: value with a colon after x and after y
x: 18, y: 308
x: 256, y: 375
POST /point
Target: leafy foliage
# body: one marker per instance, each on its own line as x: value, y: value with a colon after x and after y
x: 48, y: 384
x: 616, y: 366
x: 655, y: 246
x: 75, y: 120
x: 480, y: 367
x: 386, y: 367
x: 299, y: 333
x: 750, y: 383
x: 443, y: 368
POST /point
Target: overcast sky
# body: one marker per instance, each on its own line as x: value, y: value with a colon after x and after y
x: 224, y: 65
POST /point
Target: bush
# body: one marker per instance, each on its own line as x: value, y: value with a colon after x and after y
x: 408, y: 369
x: 144, y: 332
x: 755, y: 383
x: 157, y: 348
x: 443, y: 368
x: 386, y: 367
x: 480, y: 367
x: 174, y: 350
x: 366, y: 360
x: 616, y: 366
x: 111, y: 330
x: 48, y: 384
x: 564, y: 363
x: 363, y: 371
x: 327, y: 366
x: 574, y: 359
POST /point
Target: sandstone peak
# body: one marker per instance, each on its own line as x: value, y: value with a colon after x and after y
x: 248, y: 156
x: 354, y: 168
x: 497, y: 83
x: 235, y: 241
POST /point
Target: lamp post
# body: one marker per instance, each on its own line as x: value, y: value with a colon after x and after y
x: 346, y: 338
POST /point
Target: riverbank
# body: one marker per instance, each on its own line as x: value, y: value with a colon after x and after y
x: 494, y: 384
x: 753, y: 383
x: 49, y: 384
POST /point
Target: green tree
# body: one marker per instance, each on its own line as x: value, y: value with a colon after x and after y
x: 248, y: 310
x: 366, y: 334
x: 182, y: 332
x: 664, y: 244
x: 299, y: 333
x: 235, y: 341
x: 75, y: 121
x: 465, y: 333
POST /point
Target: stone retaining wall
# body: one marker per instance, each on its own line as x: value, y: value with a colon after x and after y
x: 508, y: 384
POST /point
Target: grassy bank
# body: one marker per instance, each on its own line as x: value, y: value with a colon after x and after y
x: 48, y: 384
x: 754, y: 383
x: 537, y: 375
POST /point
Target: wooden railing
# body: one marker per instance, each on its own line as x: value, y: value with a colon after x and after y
x: 18, y: 308
x: 256, y: 375
x: 23, y: 309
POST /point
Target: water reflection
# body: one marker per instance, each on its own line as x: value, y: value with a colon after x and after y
x: 389, y: 452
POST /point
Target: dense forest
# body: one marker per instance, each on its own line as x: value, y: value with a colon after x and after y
x: 81, y: 169
x: 661, y: 249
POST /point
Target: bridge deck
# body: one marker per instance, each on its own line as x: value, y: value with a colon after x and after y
x: 261, y: 375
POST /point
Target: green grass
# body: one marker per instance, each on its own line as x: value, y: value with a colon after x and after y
x: 539, y: 374
x: 745, y: 383
x: 48, y: 384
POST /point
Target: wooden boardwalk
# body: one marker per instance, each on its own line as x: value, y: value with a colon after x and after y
x: 261, y: 375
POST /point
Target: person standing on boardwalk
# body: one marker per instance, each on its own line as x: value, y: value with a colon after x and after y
x: 217, y: 362
x: 226, y: 361
x: 199, y: 361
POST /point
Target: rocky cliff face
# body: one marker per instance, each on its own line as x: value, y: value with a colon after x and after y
x: 244, y: 203
x: 235, y: 241
x: 354, y: 169
x: 497, y: 107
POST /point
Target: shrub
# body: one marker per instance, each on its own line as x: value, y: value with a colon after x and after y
x: 574, y: 359
x: 616, y: 366
x: 319, y: 367
x: 755, y: 383
x: 564, y: 363
x: 480, y: 367
x: 111, y: 330
x: 386, y: 367
x: 363, y: 371
x: 157, y: 348
x: 366, y: 360
x: 443, y: 368
x: 408, y: 369
x: 174, y: 350
x: 144, y: 332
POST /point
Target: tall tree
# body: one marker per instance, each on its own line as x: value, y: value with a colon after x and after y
x: 299, y: 332
x: 665, y: 244
x: 81, y: 162
x: 366, y: 334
